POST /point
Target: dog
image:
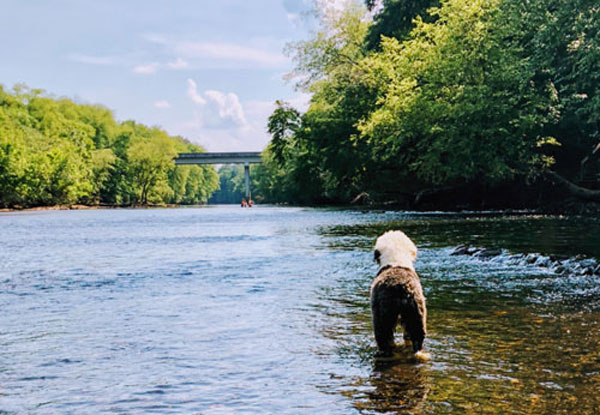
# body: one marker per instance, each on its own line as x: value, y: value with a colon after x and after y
x: 397, y: 295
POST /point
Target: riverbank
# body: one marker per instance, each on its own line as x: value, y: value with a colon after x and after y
x: 569, y: 207
x: 87, y: 207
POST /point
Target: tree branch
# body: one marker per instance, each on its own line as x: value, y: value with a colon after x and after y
x: 578, y: 191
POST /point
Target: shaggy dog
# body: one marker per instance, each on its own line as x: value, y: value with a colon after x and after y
x: 396, y: 294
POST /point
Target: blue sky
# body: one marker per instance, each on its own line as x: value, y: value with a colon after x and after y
x: 207, y: 70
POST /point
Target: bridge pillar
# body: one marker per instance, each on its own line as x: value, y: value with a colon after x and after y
x: 247, y: 179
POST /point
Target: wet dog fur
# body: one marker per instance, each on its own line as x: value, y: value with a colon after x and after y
x: 396, y: 294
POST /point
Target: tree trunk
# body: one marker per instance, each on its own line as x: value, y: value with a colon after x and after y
x: 577, y: 191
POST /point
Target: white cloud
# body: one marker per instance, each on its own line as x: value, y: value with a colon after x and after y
x: 250, y: 137
x: 155, y: 38
x: 208, y: 129
x: 225, y: 106
x: 93, y: 60
x: 229, y: 51
x: 178, y: 64
x: 192, y: 92
x: 146, y: 69
x: 162, y: 104
x: 228, y: 106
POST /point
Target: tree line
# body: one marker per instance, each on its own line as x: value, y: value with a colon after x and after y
x: 54, y: 151
x: 470, y: 102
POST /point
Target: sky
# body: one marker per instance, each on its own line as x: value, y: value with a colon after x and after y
x: 209, y: 71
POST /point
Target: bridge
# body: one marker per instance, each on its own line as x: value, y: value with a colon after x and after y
x: 223, y: 158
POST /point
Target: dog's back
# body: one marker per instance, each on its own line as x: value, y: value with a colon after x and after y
x: 397, y: 292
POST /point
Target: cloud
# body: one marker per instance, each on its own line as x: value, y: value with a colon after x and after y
x: 178, y: 64
x: 192, y: 92
x: 146, y: 69
x: 229, y: 51
x: 155, y: 38
x: 228, y: 106
x: 250, y: 137
x: 208, y: 129
x: 217, y: 111
x: 93, y: 60
x: 162, y: 104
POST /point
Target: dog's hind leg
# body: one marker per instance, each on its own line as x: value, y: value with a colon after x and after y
x: 384, y: 324
x: 405, y: 334
x: 413, y: 322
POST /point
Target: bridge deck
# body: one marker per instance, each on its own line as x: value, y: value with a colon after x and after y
x: 219, y: 158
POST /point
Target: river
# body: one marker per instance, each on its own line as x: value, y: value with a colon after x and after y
x: 222, y: 310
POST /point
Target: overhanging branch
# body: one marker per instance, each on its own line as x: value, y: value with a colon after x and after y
x: 575, y: 190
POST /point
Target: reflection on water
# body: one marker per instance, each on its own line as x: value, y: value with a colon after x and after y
x: 400, y: 386
x: 266, y: 311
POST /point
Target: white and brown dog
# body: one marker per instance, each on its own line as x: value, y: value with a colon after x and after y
x: 396, y: 294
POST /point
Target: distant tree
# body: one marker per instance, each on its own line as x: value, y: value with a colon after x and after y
x: 231, y: 185
x: 54, y: 151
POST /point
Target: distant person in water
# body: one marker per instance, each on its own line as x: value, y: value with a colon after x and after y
x: 250, y: 203
x: 244, y: 203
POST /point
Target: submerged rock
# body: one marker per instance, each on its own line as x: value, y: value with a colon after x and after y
x: 488, y: 253
x: 461, y: 250
x: 543, y: 261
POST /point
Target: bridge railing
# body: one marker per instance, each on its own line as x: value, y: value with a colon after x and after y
x: 245, y: 158
x: 219, y: 158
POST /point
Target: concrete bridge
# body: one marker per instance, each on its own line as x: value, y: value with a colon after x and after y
x: 223, y: 158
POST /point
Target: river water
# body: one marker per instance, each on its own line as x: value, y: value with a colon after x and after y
x: 222, y: 310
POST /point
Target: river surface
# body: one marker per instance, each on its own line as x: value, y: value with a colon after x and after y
x: 222, y: 310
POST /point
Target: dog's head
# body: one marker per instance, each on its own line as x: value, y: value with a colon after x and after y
x: 395, y: 248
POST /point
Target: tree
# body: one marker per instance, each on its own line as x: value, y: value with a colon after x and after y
x: 283, y: 124
x: 149, y: 159
x: 54, y: 151
x: 395, y: 19
x: 231, y: 185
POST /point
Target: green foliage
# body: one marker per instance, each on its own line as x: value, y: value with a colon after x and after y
x: 395, y: 19
x: 231, y: 190
x: 458, y: 105
x: 283, y: 124
x: 465, y: 94
x: 53, y: 151
x: 335, y: 47
x: 563, y: 44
